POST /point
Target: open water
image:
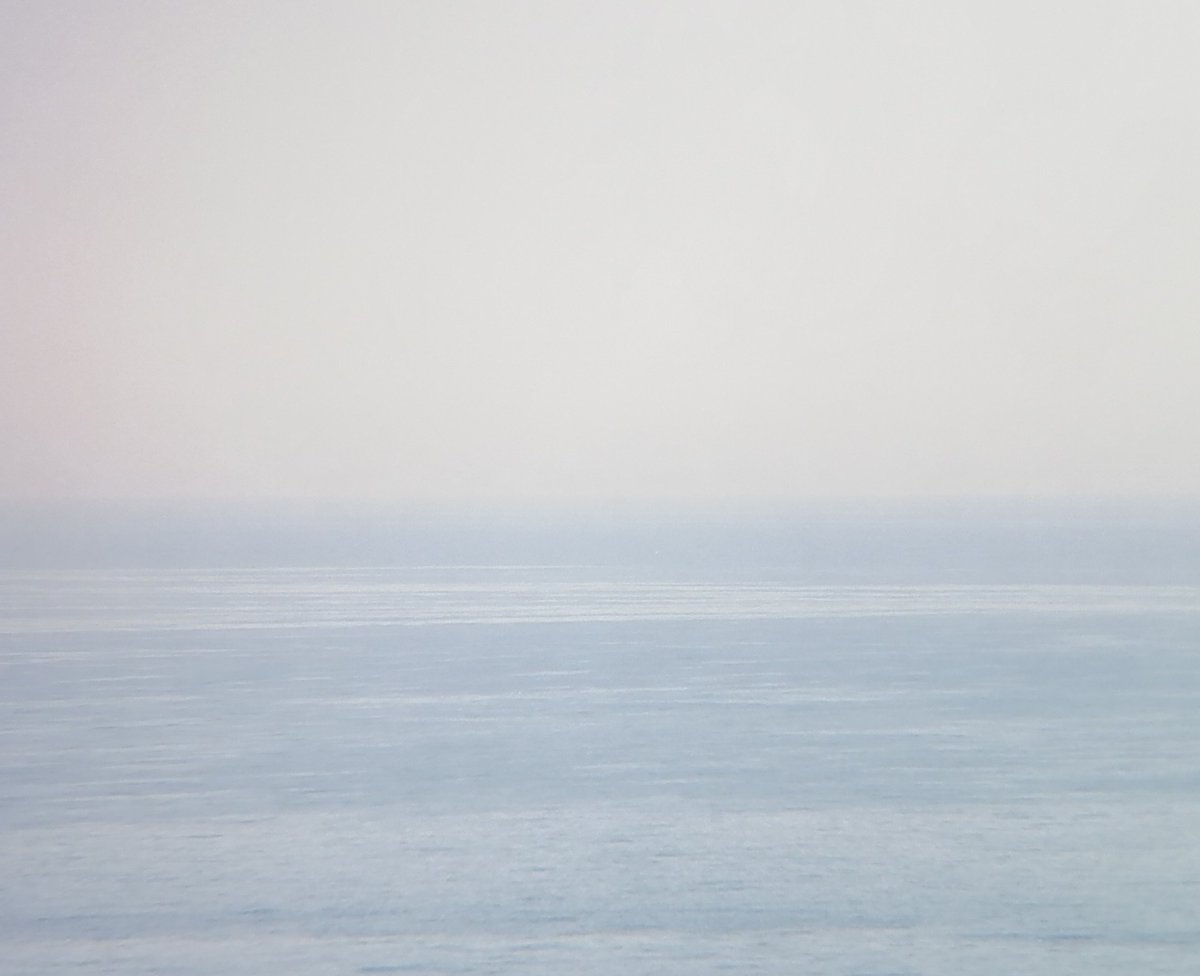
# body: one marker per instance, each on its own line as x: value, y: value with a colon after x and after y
x: 517, y: 768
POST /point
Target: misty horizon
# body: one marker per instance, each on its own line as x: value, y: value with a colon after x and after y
x: 966, y: 541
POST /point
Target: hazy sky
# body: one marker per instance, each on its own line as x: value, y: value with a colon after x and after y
x: 423, y: 250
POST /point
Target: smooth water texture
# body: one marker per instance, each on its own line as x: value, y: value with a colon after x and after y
x: 541, y: 769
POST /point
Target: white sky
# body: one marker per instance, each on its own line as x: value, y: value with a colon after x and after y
x: 573, y: 250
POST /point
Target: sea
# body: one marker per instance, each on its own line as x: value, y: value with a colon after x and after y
x: 858, y: 740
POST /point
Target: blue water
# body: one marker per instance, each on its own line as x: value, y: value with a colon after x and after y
x: 595, y: 769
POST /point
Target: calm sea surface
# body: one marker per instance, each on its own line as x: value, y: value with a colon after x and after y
x: 564, y: 769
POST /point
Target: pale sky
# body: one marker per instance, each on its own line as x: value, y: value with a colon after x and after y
x: 582, y: 250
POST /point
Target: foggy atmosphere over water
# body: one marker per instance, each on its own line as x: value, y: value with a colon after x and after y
x: 540, y: 488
